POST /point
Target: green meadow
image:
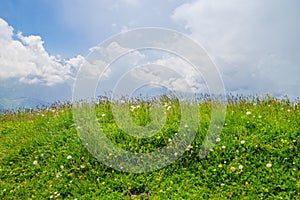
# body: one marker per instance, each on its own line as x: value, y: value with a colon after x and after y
x: 255, y: 157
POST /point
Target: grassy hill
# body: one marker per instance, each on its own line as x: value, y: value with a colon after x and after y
x: 256, y: 157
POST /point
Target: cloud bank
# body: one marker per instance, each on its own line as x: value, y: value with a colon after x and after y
x: 254, y: 43
x: 27, y: 70
x: 25, y: 58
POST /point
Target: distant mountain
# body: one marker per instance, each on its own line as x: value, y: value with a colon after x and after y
x: 14, y: 104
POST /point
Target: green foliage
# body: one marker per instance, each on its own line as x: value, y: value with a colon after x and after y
x: 257, y: 156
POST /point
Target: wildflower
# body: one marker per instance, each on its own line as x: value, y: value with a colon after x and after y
x: 241, y: 167
x: 243, y: 142
x: 103, y: 115
x: 58, y: 175
x: 248, y: 113
x: 186, y: 126
x: 232, y: 169
x: 283, y: 141
x: 294, y: 179
x: 220, y: 165
x: 289, y: 110
x: 138, y: 106
x: 218, y: 139
x: 132, y: 107
x: 169, y: 107
x: 189, y: 147
x: 175, y: 154
x: 259, y: 116
x: 222, y: 184
x: 82, y: 166
x: 35, y: 162
x: 269, y: 165
x: 170, y: 140
x: 51, y: 196
x: 69, y: 157
x: 223, y: 147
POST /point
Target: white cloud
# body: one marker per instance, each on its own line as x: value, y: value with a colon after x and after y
x: 97, y: 20
x: 6, y: 31
x: 26, y: 58
x: 254, y: 43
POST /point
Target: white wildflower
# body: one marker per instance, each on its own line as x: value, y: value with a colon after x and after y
x: 132, y: 107
x: 69, y: 157
x: 218, y: 139
x: 35, y: 162
x: 243, y: 142
x: 269, y: 165
x: 248, y: 113
x: 241, y: 167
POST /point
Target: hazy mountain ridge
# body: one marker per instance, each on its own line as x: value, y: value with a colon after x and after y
x: 14, y: 104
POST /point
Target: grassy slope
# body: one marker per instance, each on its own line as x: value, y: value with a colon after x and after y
x: 49, y: 137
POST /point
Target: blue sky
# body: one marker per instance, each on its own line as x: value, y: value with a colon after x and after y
x: 43, y: 43
x: 71, y: 27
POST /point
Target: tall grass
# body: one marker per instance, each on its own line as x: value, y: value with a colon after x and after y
x: 256, y: 156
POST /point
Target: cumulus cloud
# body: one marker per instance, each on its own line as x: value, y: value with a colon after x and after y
x: 25, y: 58
x: 254, y: 43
